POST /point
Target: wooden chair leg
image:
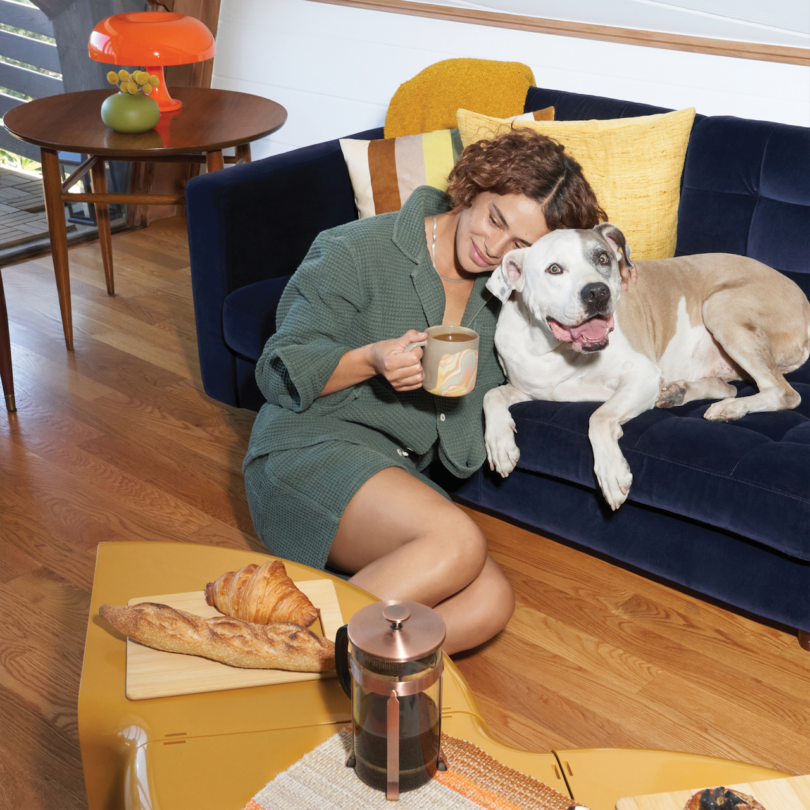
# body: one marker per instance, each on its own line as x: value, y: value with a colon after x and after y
x: 243, y: 153
x: 214, y: 161
x: 57, y: 230
x: 99, y: 183
x: 804, y: 639
x: 5, y: 354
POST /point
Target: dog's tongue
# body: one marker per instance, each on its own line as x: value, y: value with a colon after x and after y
x: 594, y: 330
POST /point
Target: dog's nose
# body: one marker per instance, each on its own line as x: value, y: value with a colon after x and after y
x: 595, y: 296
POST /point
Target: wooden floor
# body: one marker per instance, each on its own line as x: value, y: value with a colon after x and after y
x: 116, y: 441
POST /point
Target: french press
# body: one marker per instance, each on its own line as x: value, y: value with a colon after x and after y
x: 394, y: 678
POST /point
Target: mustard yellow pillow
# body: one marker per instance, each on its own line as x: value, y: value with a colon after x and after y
x: 429, y: 100
x: 634, y: 166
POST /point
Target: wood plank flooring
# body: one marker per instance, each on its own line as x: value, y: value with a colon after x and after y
x: 117, y: 441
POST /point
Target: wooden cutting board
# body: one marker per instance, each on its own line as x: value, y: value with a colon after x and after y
x: 154, y: 673
x: 792, y: 793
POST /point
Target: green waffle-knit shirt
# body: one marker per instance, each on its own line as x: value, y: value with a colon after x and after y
x: 360, y: 283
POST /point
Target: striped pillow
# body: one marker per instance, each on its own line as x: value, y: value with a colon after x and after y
x: 384, y: 173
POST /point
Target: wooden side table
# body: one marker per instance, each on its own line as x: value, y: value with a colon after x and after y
x: 217, y: 749
x: 5, y: 354
x: 209, y: 121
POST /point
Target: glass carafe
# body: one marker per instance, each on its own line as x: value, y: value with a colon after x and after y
x: 393, y: 677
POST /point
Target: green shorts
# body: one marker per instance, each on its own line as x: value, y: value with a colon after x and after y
x: 297, y: 496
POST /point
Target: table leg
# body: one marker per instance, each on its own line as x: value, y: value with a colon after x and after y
x: 214, y: 161
x: 55, y: 211
x: 243, y: 153
x: 98, y: 179
x: 5, y: 354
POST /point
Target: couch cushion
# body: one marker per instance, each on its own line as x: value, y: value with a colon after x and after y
x: 582, y: 107
x: 746, y: 190
x: 429, y: 100
x: 386, y: 172
x: 249, y: 316
x: 634, y: 166
x: 749, y: 477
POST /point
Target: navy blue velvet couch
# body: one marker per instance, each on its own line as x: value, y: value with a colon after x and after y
x: 722, y: 510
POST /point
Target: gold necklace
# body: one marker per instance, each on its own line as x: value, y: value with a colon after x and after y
x: 451, y: 280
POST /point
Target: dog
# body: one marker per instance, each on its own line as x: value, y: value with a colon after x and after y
x: 684, y: 331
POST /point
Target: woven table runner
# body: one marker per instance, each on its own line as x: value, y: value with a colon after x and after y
x: 320, y: 780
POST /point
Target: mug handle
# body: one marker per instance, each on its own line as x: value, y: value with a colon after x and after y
x: 342, y: 659
x: 415, y: 346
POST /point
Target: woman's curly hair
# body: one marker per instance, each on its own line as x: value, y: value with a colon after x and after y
x: 525, y: 162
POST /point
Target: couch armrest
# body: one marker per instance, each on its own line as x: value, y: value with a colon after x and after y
x: 252, y: 222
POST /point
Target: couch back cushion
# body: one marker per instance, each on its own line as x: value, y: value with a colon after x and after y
x: 581, y: 107
x: 746, y: 190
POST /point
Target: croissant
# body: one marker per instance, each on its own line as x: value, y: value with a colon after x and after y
x: 282, y: 645
x: 261, y: 595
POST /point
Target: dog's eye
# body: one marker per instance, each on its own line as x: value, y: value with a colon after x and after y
x: 555, y: 269
x: 603, y: 259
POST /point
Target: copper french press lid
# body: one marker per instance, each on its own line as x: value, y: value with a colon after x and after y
x: 397, y: 631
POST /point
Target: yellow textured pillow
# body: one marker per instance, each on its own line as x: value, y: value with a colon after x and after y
x: 634, y: 166
x: 429, y: 100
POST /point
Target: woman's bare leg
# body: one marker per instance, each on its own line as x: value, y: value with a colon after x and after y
x: 405, y: 541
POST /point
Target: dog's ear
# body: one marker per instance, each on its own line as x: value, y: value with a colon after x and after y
x: 615, y: 238
x: 508, y: 275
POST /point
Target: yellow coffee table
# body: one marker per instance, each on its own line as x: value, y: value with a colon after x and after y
x: 216, y: 750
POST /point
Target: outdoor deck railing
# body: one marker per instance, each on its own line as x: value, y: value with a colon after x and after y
x: 33, y: 52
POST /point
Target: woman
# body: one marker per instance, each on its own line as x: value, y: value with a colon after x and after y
x: 333, y: 470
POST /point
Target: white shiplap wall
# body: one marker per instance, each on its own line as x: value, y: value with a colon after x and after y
x: 775, y: 22
x: 335, y: 68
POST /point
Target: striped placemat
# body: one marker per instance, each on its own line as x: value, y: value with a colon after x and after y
x: 320, y: 780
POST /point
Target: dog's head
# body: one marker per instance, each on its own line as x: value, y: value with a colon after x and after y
x: 570, y: 280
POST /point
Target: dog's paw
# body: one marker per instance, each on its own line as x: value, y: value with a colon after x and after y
x: 502, y: 450
x: 670, y: 396
x: 615, y: 480
x: 727, y: 410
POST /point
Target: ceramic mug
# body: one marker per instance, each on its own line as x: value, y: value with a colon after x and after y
x: 449, y: 361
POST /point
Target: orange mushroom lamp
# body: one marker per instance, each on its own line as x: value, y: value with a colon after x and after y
x: 152, y: 39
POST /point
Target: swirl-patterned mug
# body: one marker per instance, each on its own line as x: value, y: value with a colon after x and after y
x: 449, y: 361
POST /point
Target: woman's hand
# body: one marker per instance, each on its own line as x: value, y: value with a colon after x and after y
x: 403, y: 369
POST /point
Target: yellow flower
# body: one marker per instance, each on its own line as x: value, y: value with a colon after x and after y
x: 112, y: 77
x: 141, y: 77
x: 147, y: 88
x: 154, y: 81
x: 132, y: 88
x: 123, y: 75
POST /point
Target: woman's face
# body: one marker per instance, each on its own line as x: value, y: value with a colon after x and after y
x: 495, y: 224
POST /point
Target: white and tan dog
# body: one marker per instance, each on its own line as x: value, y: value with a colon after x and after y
x: 688, y: 327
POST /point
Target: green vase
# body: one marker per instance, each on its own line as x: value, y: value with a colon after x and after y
x: 124, y: 112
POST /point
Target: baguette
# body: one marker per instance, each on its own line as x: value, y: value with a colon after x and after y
x: 282, y: 645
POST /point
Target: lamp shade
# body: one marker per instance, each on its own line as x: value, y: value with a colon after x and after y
x: 151, y: 37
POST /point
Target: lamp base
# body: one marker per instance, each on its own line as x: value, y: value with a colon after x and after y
x: 161, y: 92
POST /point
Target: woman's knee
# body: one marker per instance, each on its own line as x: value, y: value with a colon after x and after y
x: 461, y: 545
x: 501, y: 597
